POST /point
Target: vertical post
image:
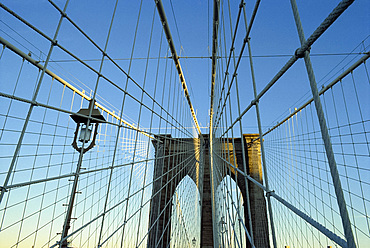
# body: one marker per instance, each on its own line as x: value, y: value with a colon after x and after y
x: 67, y: 222
x: 325, y: 134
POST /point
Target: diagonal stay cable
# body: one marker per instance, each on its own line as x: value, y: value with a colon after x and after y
x: 246, y: 38
x: 84, y: 63
x: 329, y: 20
x: 175, y: 58
x: 322, y: 91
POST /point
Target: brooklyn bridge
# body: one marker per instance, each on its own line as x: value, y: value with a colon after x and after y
x: 195, y: 123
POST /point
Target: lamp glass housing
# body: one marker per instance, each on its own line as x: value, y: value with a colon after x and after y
x: 85, y: 133
x: 222, y: 225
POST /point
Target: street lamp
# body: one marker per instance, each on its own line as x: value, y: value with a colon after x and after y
x: 222, y: 225
x: 87, y: 127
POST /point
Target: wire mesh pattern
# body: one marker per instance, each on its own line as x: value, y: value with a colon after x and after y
x: 298, y: 172
x: 47, y: 79
x: 296, y: 146
x: 139, y: 173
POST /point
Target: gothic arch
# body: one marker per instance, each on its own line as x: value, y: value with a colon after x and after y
x: 175, y: 158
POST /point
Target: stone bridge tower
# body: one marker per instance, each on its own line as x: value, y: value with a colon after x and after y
x: 169, y: 170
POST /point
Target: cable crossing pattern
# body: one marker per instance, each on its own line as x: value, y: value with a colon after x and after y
x: 97, y: 151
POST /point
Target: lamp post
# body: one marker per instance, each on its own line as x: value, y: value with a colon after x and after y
x: 222, y: 226
x: 194, y: 242
x: 87, y: 122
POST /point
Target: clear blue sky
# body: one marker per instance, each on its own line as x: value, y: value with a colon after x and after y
x: 273, y: 37
x: 273, y: 33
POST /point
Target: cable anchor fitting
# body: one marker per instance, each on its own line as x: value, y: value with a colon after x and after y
x: 268, y: 193
x: 3, y: 189
x: 300, y: 54
x: 254, y: 102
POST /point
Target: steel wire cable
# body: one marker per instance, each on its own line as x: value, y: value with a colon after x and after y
x: 116, y: 185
